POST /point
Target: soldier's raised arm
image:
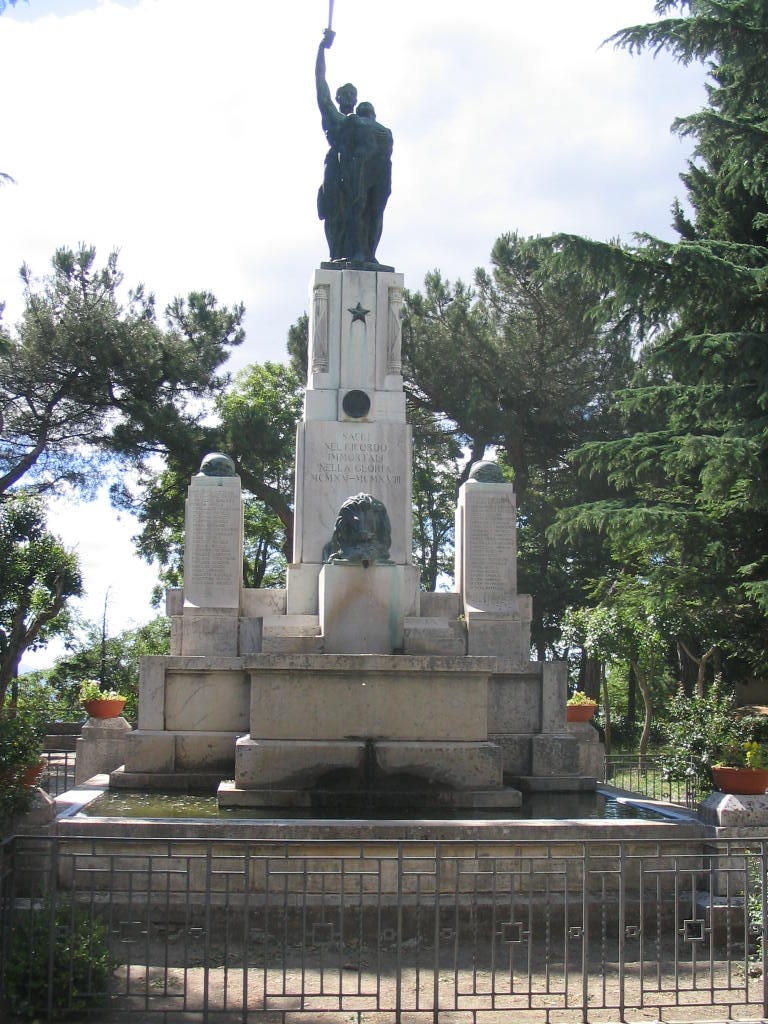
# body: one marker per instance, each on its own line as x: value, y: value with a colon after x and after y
x: 324, y: 101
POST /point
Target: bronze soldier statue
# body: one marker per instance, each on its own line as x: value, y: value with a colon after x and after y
x: 358, y: 169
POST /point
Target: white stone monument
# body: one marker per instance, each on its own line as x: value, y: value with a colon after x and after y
x: 359, y: 676
x: 210, y: 620
x: 498, y: 618
x: 353, y: 439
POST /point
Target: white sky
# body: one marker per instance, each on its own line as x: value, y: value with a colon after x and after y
x: 185, y: 133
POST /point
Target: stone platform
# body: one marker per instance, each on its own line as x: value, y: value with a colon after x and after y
x: 466, y: 731
x: 365, y: 723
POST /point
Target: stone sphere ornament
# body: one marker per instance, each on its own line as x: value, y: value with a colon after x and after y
x: 487, y: 473
x: 217, y: 464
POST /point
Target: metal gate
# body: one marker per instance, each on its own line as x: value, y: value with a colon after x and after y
x: 193, y: 930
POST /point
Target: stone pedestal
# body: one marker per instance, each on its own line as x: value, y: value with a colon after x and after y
x: 728, y: 810
x: 101, y: 747
x: 498, y: 621
x: 207, y: 618
x: 376, y: 719
x: 362, y: 609
x: 591, y: 749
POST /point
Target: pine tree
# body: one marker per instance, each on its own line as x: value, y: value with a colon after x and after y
x: 689, y: 517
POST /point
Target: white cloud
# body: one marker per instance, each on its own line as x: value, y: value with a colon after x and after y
x: 186, y: 134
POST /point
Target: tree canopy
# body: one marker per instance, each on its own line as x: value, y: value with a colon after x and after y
x: 85, y: 378
x: 537, y: 375
x: 37, y: 577
x: 688, y: 517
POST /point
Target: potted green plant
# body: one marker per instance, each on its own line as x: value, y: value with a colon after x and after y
x: 101, y: 703
x: 20, y: 762
x: 746, y: 774
x: 580, y: 707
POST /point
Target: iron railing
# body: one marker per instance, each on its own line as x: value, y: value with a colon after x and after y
x: 227, y: 930
x: 59, y: 773
x: 651, y: 777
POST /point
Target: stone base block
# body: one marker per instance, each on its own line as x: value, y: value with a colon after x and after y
x: 249, y: 635
x: 515, y: 703
x: 554, y: 756
x: 296, y: 764
x: 301, y: 581
x: 166, y: 782
x: 101, y: 747
x: 439, y: 604
x: 174, y: 601
x: 364, y: 803
x: 515, y: 752
x: 256, y: 603
x: 341, y: 697
x: 727, y: 810
x: 452, y: 765
x: 203, y: 751
x: 591, y: 750
x: 152, y: 752
x: 362, y: 608
x: 292, y: 634
x: 502, y: 637
x: 208, y: 633
x: 356, y: 766
x: 221, y: 634
x: 206, y: 700
x: 291, y: 625
x: 293, y: 645
x: 434, y: 636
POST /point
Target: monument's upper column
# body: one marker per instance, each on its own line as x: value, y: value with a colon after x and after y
x: 354, y: 363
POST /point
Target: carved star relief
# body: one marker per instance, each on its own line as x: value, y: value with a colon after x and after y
x: 358, y: 313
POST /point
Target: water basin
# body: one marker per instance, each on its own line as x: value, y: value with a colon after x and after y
x: 546, y: 806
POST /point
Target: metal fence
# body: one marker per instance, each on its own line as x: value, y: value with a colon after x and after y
x: 184, y: 930
x: 59, y: 773
x: 650, y: 777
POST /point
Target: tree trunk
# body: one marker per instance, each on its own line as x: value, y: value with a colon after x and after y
x: 700, y: 663
x: 589, y: 676
x: 606, y: 707
x: 643, y: 681
x: 632, y: 694
x: 686, y: 669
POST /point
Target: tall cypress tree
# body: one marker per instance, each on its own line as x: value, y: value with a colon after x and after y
x: 689, y: 519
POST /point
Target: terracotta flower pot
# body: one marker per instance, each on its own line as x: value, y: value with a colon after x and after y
x: 31, y: 776
x: 104, y: 708
x: 741, y: 781
x: 579, y: 712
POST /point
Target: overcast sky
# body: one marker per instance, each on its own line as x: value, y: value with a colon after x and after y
x: 185, y: 133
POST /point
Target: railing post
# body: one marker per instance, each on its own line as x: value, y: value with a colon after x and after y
x: 436, y: 936
x: 52, y: 889
x: 207, y: 939
x: 246, y: 921
x: 399, y: 937
x: 585, y: 932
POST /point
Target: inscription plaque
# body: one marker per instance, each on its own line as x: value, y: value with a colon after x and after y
x: 338, y: 460
x: 213, y: 546
x: 492, y: 555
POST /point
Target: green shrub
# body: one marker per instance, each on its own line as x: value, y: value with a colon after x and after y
x: 703, y: 731
x: 82, y: 964
x: 20, y: 745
